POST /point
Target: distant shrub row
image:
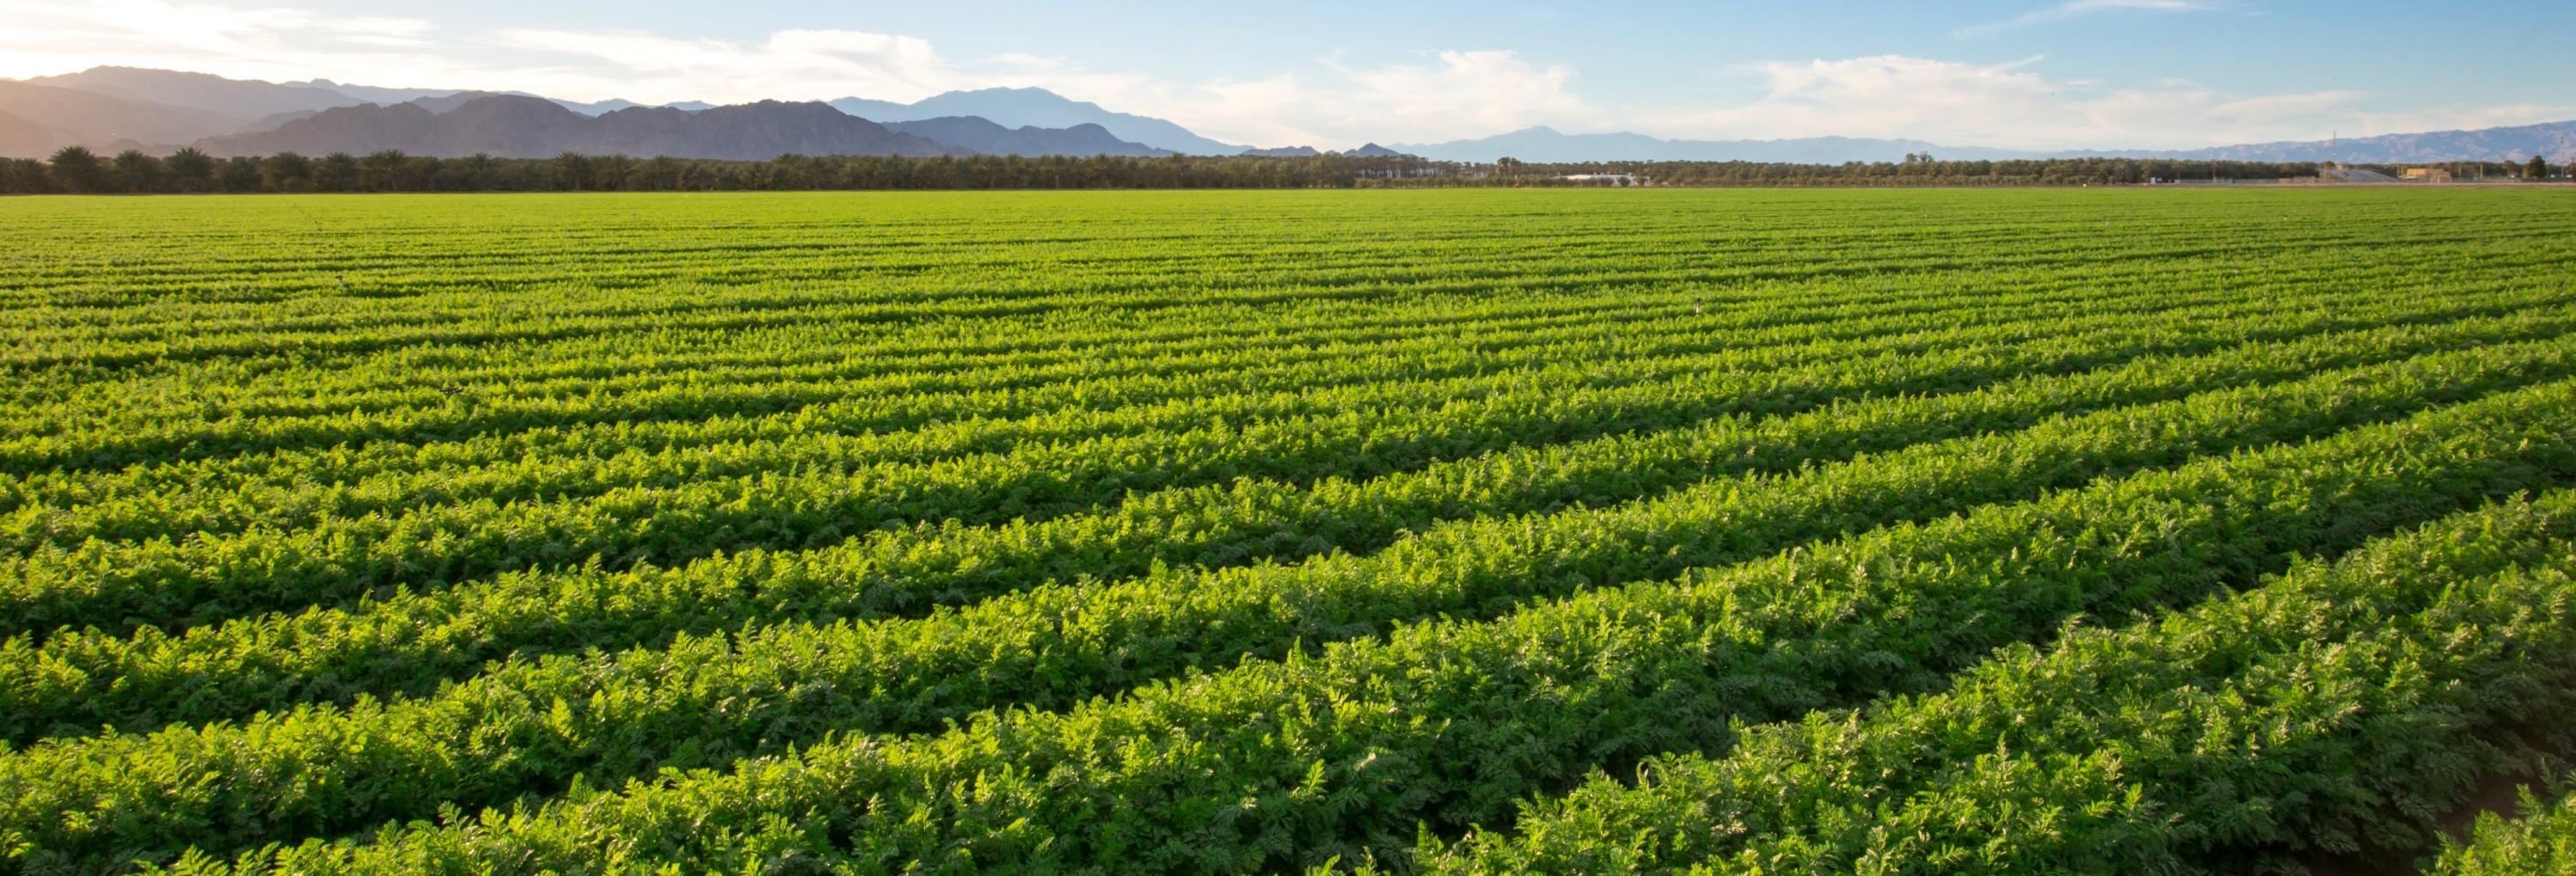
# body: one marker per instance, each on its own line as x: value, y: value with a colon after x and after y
x: 77, y: 170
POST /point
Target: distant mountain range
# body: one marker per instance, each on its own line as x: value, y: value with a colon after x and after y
x: 114, y: 108
x: 981, y: 135
x: 1038, y: 107
x: 510, y: 126
x: 93, y: 118
x: 1547, y: 144
x: 2556, y: 141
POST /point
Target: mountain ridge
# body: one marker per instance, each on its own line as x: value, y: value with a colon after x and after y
x: 514, y: 126
x: 988, y: 137
x: 238, y: 98
x: 2555, y: 141
x: 98, y: 118
x: 1546, y: 144
x: 1037, y: 107
x: 111, y: 107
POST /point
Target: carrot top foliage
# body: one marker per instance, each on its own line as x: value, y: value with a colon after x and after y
x: 1485, y: 531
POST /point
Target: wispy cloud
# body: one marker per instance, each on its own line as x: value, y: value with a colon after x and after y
x: 790, y: 64
x: 2017, y: 105
x: 252, y: 42
x: 2078, y: 9
x: 1332, y: 102
x: 1440, y: 95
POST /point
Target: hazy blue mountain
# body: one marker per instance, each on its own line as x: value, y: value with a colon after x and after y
x: 448, y: 98
x: 1371, y: 150
x: 243, y: 99
x: 357, y: 129
x: 21, y: 138
x: 116, y: 107
x: 65, y: 116
x: 2554, y: 140
x: 444, y: 103
x: 983, y: 136
x: 602, y: 107
x: 596, y: 107
x: 513, y: 126
x: 1038, y: 107
x: 375, y: 94
x: 273, y: 121
x: 752, y: 131
x: 1547, y: 144
x: 877, y: 110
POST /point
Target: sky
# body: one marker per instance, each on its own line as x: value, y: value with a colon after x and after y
x: 2032, y: 74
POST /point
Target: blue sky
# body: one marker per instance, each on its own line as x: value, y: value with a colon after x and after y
x: 2065, y: 74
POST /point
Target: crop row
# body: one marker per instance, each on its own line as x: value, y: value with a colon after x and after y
x: 2339, y: 709
x: 635, y: 354
x: 850, y: 432
x: 408, y: 642
x: 139, y: 429
x: 1279, y: 763
x: 179, y: 583
x: 265, y: 323
x: 417, y: 325
x: 1192, y: 258
x: 725, y: 696
x: 2542, y: 840
x: 811, y: 334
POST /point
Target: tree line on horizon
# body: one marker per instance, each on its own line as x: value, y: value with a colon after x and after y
x: 77, y: 170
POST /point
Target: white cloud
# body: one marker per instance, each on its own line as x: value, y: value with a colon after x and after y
x: 2078, y: 9
x: 1334, y: 103
x: 247, y: 42
x: 2014, y: 105
x: 1451, y: 95
x: 790, y: 65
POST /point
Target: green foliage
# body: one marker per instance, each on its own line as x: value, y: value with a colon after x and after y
x: 393, y: 171
x: 2337, y: 709
x: 1228, y: 532
x: 2542, y: 840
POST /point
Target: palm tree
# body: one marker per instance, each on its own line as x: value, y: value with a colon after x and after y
x: 336, y: 172
x: 134, y: 171
x: 381, y: 171
x: 76, y: 169
x: 191, y: 170
x: 285, y: 172
x: 571, y: 172
x: 241, y: 173
x: 481, y: 171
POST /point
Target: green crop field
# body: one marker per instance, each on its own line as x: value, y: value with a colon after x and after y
x: 1117, y: 532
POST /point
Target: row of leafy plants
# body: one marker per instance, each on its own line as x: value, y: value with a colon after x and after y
x: 1279, y: 763
x: 2341, y: 709
x: 180, y: 583
x: 311, y: 771
x: 407, y: 643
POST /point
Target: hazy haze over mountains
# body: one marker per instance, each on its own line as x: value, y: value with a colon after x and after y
x: 238, y: 98
x: 510, y: 126
x: 988, y: 137
x: 1038, y: 107
x: 1548, y: 144
x: 159, y: 110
